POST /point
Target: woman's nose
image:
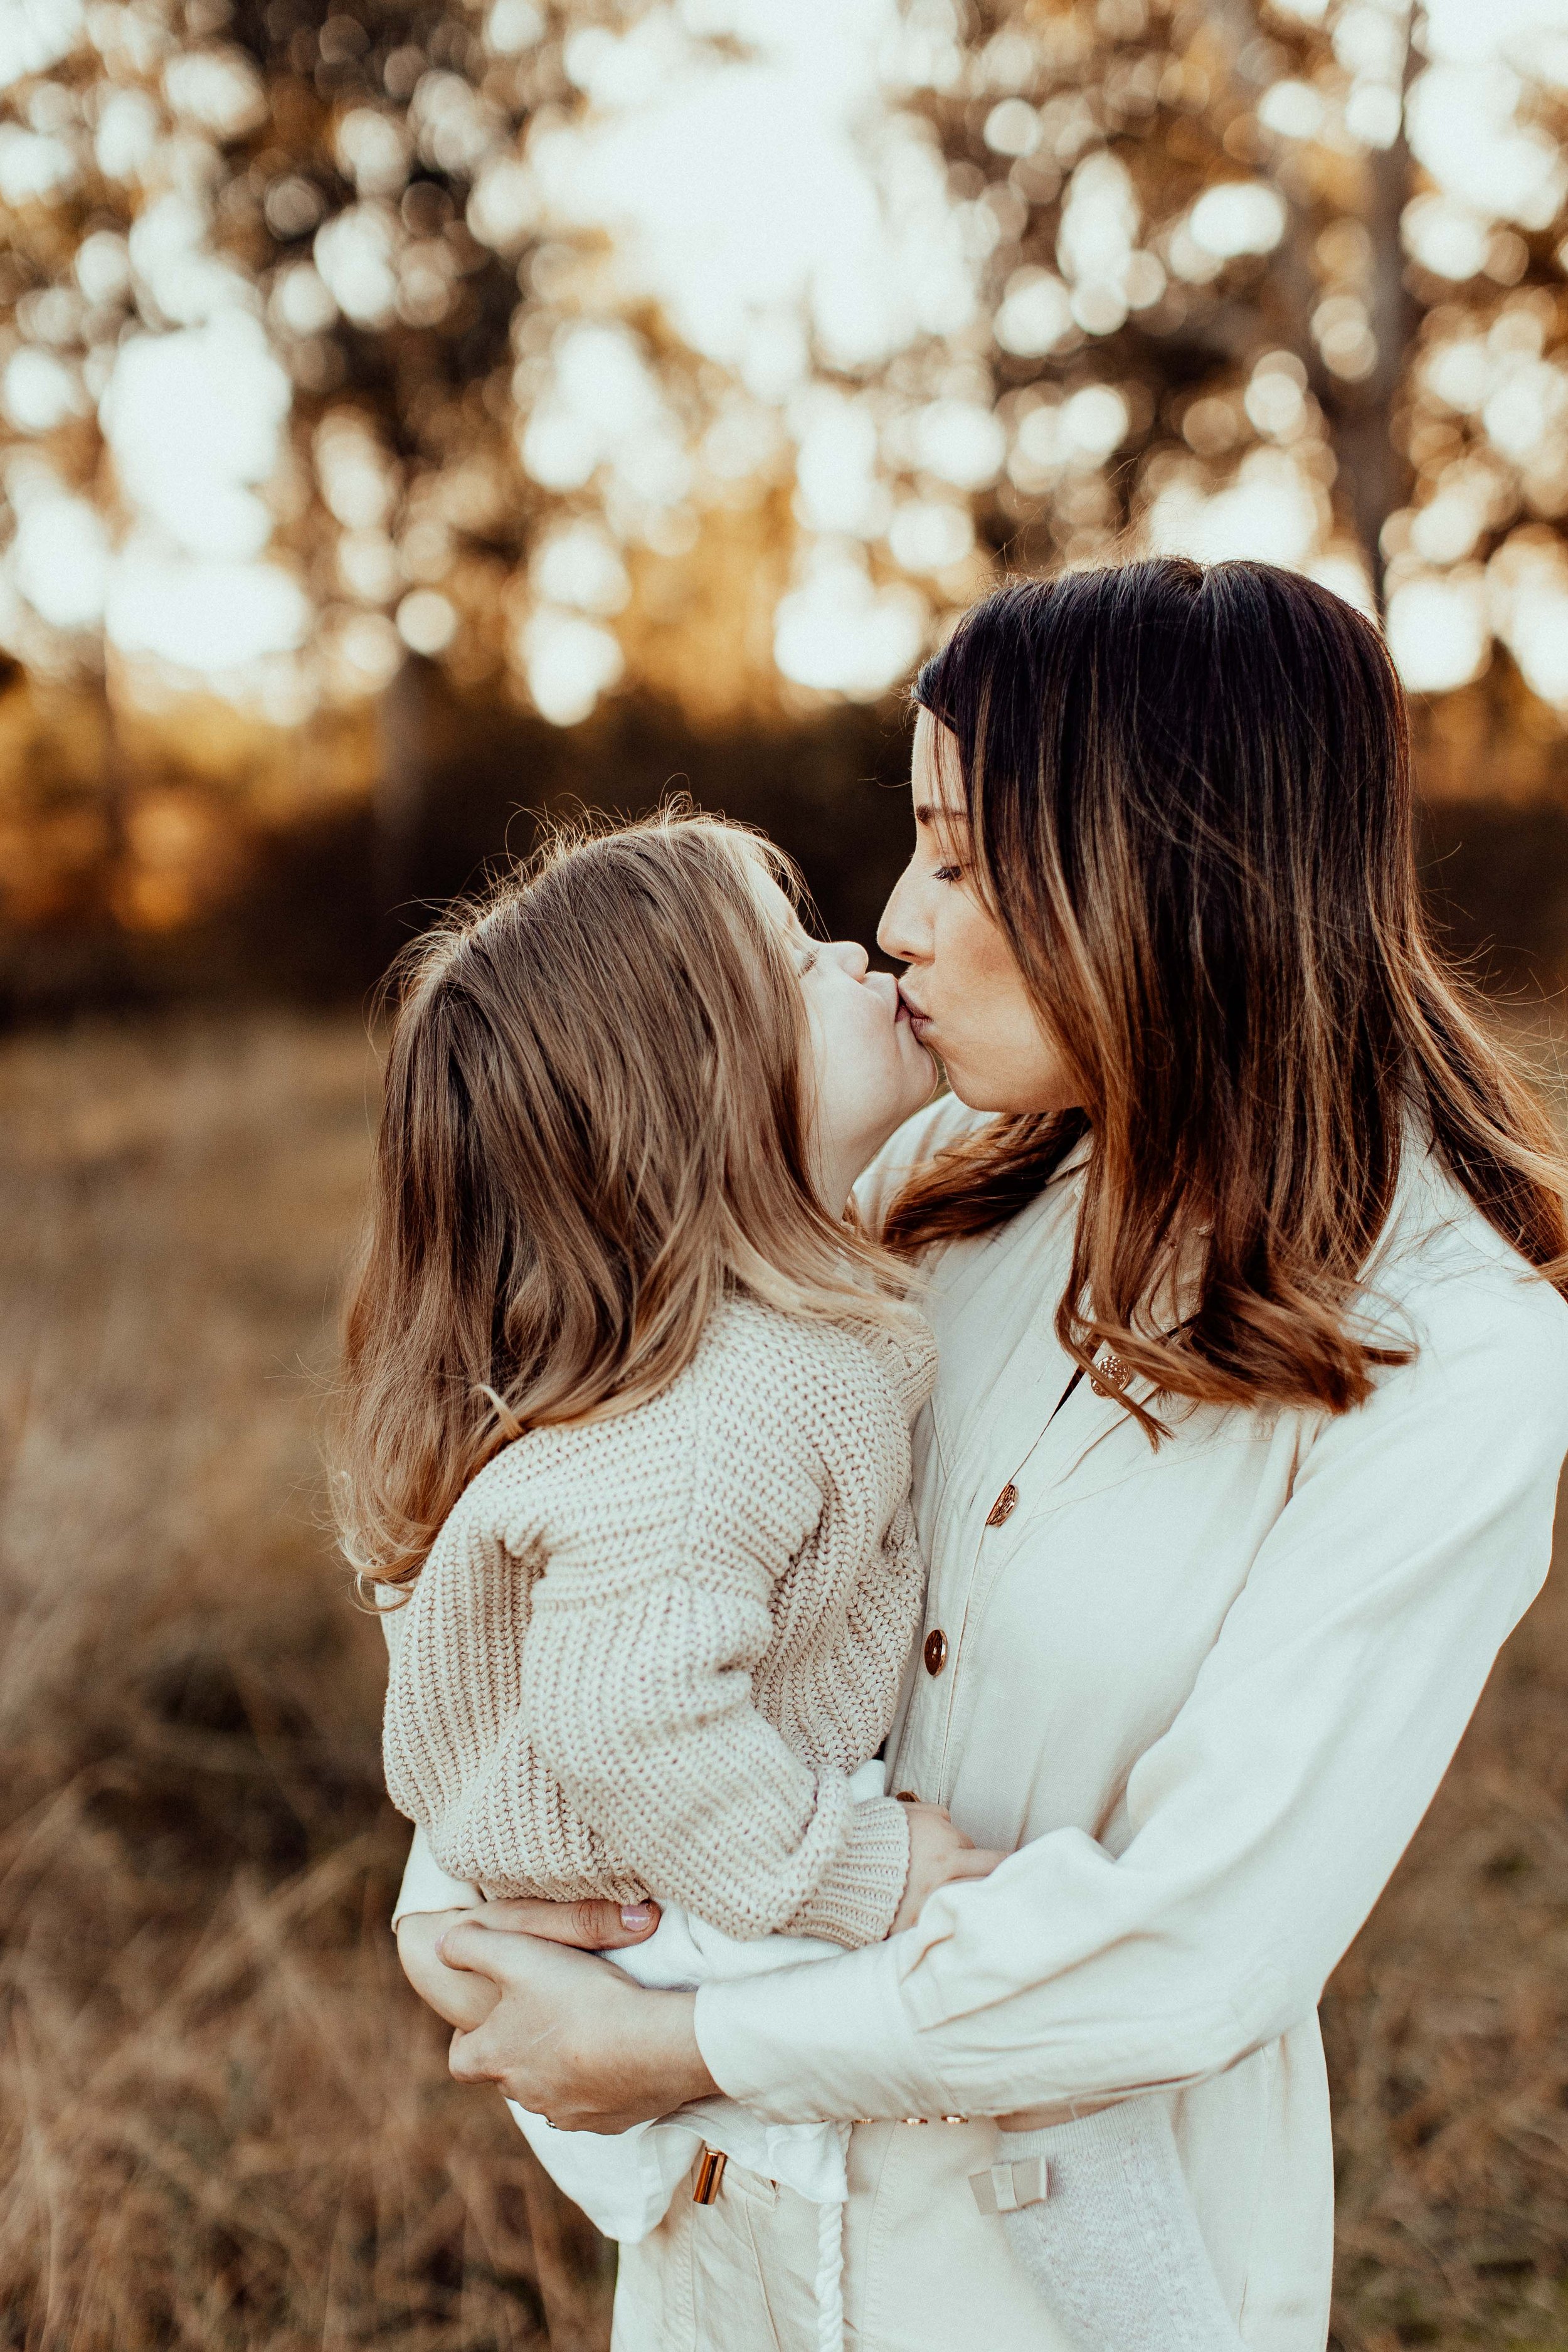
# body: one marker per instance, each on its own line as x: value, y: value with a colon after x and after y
x: 852, y: 957
x: 897, y: 933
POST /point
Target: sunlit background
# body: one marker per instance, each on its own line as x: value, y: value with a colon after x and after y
x: 715, y: 355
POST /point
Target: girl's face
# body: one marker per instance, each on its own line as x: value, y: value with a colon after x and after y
x: 871, y: 1071
x: 966, y: 996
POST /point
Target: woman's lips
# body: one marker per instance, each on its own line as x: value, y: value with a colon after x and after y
x: 918, y: 1022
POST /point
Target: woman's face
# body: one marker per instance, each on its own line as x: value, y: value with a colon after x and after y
x: 870, y: 1069
x: 965, y: 993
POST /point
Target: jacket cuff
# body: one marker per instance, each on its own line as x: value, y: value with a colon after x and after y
x: 856, y: 1903
x: 828, y: 2041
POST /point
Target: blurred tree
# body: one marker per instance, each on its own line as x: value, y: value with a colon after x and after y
x: 1223, y: 290
x: 307, y: 368
x: 276, y: 298
x: 324, y: 212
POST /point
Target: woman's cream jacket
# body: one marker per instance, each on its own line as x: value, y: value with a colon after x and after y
x: 1208, y: 1693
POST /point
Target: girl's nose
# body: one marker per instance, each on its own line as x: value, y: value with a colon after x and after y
x: 853, y: 957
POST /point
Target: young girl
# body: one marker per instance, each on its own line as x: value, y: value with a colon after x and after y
x: 624, y: 1448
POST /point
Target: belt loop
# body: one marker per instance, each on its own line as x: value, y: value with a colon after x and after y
x: 1004, y: 2187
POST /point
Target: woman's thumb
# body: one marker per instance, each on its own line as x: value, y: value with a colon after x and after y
x: 587, y: 1927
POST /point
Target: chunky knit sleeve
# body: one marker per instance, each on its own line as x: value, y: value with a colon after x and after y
x: 648, y: 1621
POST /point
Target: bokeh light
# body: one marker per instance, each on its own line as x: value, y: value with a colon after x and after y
x: 907, y: 297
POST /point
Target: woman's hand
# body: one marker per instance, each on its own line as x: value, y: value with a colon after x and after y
x: 576, y: 2041
x: 938, y: 1854
x: 464, y: 1998
x: 567, y: 2037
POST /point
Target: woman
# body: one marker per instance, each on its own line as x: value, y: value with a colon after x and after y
x: 1243, y: 1247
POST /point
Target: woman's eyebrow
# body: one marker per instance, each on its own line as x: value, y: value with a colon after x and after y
x: 935, y: 813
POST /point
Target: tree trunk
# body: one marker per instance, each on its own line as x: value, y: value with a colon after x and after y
x: 1374, y: 477
x: 1374, y: 473
x: 398, y: 804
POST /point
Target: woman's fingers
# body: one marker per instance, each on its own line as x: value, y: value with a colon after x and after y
x: 461, y: 2000
x: 589, y: 1926
x: 937, y: 1868
x: 546, y: 2039
x: 574, y: 2040
x: 974, y: 1862
x: 545, y: 1992
x: 936, y: 1817
x: 938, y: 1851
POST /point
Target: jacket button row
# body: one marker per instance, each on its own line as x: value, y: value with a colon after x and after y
x: 935, y: 1652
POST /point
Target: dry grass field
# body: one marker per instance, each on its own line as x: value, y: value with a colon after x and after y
x: 224, y: 2123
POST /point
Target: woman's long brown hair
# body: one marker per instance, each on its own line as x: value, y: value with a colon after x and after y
x: 1189, y: 802
x: 595, y: 1125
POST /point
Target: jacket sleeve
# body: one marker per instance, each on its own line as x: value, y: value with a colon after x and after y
x: 645, y: 1634
x: 1265, y: 1821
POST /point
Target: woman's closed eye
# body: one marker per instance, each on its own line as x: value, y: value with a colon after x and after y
x: 948, y: 873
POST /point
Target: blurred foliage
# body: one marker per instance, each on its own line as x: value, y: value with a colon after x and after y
x: 1215, y: 211
x: 1224, y: 292
x: 342, y: 204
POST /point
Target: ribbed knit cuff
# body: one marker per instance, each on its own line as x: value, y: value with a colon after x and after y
x: 858, y: 1899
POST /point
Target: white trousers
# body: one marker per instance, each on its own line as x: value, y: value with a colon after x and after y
x: 925, y: 2271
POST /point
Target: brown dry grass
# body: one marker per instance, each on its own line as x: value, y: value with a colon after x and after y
x: 1447, y: 2036
x: 224, y: 2122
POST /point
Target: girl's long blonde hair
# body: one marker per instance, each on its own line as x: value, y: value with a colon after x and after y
x: 596, y: 1126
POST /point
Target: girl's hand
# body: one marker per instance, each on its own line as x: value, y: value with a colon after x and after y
x: 938, y: 1854
x: 569, y: 2038
x: 464, y: 1998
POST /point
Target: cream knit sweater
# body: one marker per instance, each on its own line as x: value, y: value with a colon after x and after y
x: 646, y: 1652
